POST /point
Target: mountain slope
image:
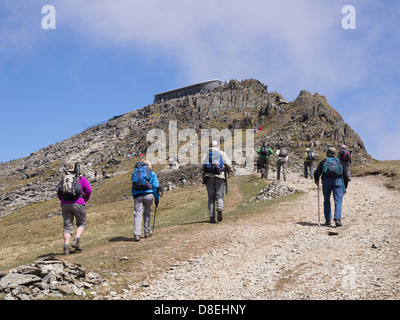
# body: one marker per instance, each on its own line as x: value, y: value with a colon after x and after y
x: 308, y: 121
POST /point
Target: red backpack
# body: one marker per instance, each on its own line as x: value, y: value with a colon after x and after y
x: 346, y: 156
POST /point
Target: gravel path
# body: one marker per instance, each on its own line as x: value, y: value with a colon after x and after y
x: 285, y: 255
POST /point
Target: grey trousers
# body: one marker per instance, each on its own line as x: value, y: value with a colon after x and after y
x: 215, y: 189
x: 142, y: 212
x: 281, y: 164
x: 308, y: 169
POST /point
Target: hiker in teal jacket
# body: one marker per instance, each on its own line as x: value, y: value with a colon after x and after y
x: 265, y: 152
x: 331, y: 183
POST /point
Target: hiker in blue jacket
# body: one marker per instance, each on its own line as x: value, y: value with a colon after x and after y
x: 144, y: 190
x: 332, y: 182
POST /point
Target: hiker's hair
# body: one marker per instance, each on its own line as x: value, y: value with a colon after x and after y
x: 331, y: 152
x: 148, y: 162
x: 68, y: 164
x: 214, y: 144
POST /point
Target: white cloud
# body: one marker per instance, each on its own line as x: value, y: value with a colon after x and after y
x: 290, y: 41
x: 289, y: 45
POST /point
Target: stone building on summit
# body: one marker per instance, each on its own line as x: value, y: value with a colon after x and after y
x: 202, y: 87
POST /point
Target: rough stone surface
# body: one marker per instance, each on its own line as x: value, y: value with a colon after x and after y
x: 47, y: 277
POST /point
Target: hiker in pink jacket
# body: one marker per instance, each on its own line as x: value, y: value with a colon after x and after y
x: 74, y: 208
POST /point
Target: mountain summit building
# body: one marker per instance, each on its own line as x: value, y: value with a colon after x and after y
x: 193, y: 89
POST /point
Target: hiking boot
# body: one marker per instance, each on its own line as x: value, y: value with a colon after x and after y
x: 136, y: 237
x: 67, y: 249
x: 338, y: 223
x: 219, y: 218
x: 327, y: 223
x: 147, y: 234
x: 75, y: 244
x: 212, y: 220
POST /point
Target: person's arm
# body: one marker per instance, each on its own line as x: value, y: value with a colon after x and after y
x: 87, y: 189
x: 154, y: 183
x: 318, y: 172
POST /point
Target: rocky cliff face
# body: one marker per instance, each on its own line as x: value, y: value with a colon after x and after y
x: 308, y: 121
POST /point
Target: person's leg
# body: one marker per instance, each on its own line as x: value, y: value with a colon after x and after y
x: 219, y: 196
x: 137, y: 216
x: 305, y: 170
x: 80, y: 215
x: 266, y: 168
x: 338, y: 198
x: 147, y: 201
x: 68, y: 219
x: 326, y: 190
x: 211, y: 197
x: 278, y: 170
x: 263, y: 167
x: 311, y: 170
x: 284, y: 168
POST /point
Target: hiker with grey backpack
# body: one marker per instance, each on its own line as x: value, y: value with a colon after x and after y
x: 74, y: 191
x: 281, y: 162
x: 309, y: 158
x: 331, y: 172
x: 216, y: 168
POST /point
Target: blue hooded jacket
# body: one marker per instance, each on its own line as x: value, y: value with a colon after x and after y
x: 153, y: 182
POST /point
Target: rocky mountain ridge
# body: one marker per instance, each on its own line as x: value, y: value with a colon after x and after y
x: 308, y: 121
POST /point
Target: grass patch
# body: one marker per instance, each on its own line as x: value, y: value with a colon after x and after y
x: 389, y: 169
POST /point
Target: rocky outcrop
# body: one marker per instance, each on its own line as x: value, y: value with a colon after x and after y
x: 47, y: 277
x: 170, y: 179
x: 274, y: 190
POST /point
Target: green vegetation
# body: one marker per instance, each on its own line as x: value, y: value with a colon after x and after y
x: 390, y: 169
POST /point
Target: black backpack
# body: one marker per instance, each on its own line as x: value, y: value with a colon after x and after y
x: 310, y: 156
x: 69, y: 188
x: 345, y: 156
x: 264, y: 150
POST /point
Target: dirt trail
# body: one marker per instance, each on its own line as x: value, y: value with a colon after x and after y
x: 285, y: 255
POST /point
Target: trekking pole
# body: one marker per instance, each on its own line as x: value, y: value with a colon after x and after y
x: 226, y: 182
x: 160, y: 193
x: 319, y: 215
x: 155, y: 212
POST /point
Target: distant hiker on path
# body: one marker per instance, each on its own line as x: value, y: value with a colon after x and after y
x: 345, y: 160
x: 144, y: 190
x: 332, y: 182
x: 309, y: 158
x: 74, y: 191
x: 283, y: 157
x: 265, y: 152
x: 216, y: 168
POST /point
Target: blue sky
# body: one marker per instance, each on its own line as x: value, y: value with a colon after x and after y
x: 106, y: 58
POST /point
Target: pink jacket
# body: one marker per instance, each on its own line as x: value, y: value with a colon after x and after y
x: 87, y: 190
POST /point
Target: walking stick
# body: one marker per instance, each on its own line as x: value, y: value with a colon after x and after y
x: 160, y: 193
x: 155, y: 212
x: 319, y: 219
